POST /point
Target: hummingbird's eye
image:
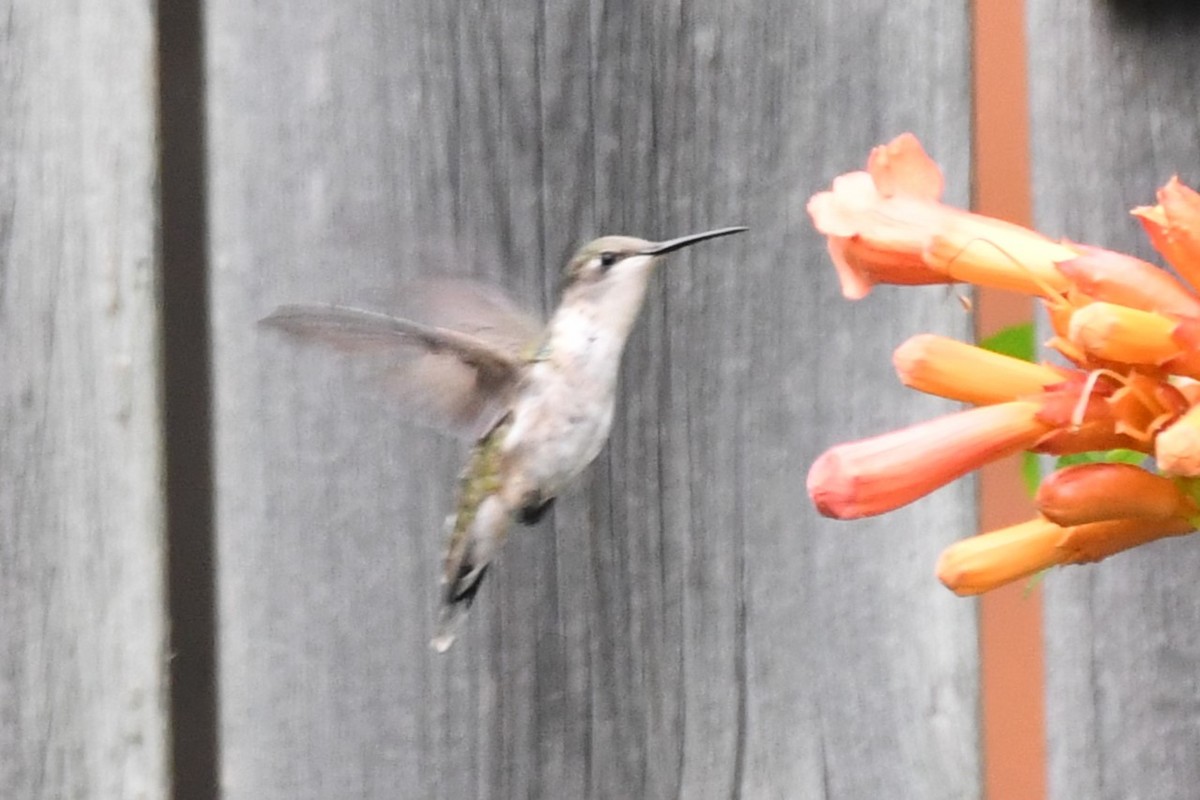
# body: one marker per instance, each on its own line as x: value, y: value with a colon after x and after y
x: 608, y: 258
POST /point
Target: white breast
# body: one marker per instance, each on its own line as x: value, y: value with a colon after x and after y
x: 564, y: 415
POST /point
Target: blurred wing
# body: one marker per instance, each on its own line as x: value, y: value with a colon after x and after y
x: 477, y: 309
x: 452, y: 380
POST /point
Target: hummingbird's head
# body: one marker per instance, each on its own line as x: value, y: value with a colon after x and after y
x: 616, y: 260
x: 606, y: 280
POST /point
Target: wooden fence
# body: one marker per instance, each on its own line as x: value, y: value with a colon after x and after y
x: 219, y: 552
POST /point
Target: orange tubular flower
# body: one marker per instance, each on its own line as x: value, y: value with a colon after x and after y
x: 881, y: 474
x: 948, y: 368
x: 992, y: 560
x: 873, y: 238
x: 1130, y: 330
x: 1095, y: 492
x: 886, y: 225
x: 1128, y: 281
x: 989, y: 252
x: 879, y: 221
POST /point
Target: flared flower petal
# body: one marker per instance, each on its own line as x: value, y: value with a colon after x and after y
x: 1174, y: 228
x: 879, y: 222
x: 883, y: 473
x: 874, y: 239
x: 903, y: 167
x: 959, y: 371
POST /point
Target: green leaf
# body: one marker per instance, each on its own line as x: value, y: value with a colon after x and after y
x: 1015, y: 340
x: 1031, y: 471
x: 1191, y: 488
x: 1119, y: 456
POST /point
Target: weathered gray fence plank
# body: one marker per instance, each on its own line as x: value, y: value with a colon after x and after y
x: 684, y: 626
x: 82, y: 601
x: 1115, y: 114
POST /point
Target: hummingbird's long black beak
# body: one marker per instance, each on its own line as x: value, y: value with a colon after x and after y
x: 660, y: 248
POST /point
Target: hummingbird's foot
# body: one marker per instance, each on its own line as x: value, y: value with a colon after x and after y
x: 534, y: 508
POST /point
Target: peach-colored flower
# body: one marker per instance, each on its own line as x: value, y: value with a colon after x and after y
x: 1130, y: 330
x: 989, y: 252
x: 885, y: 225
x: 886, y: 472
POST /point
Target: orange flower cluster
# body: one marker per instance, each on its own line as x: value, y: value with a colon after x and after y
x: 1130, y: 336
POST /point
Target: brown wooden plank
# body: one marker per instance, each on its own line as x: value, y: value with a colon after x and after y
x: 83, y: 629
x: 685, y: 625
x: 1115, y: 114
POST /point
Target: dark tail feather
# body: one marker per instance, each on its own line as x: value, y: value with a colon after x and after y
x: 455, y: 603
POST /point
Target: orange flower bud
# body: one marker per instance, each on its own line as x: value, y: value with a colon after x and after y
x: 991, y: 560
x: 1094, y: 492
x: 886, y: 472
x: 1177, y: 448
x: 1117, y: 333
x: 959, y: 371
x: 1128, y: 281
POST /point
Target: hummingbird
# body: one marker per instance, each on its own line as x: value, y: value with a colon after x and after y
x: 537, y: 401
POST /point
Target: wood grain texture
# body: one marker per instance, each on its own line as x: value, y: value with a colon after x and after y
x: 1115, y: 114
x: 82, y: 608
x: 684, y: 625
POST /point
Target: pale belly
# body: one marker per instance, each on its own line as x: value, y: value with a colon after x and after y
x: 555, y: 434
